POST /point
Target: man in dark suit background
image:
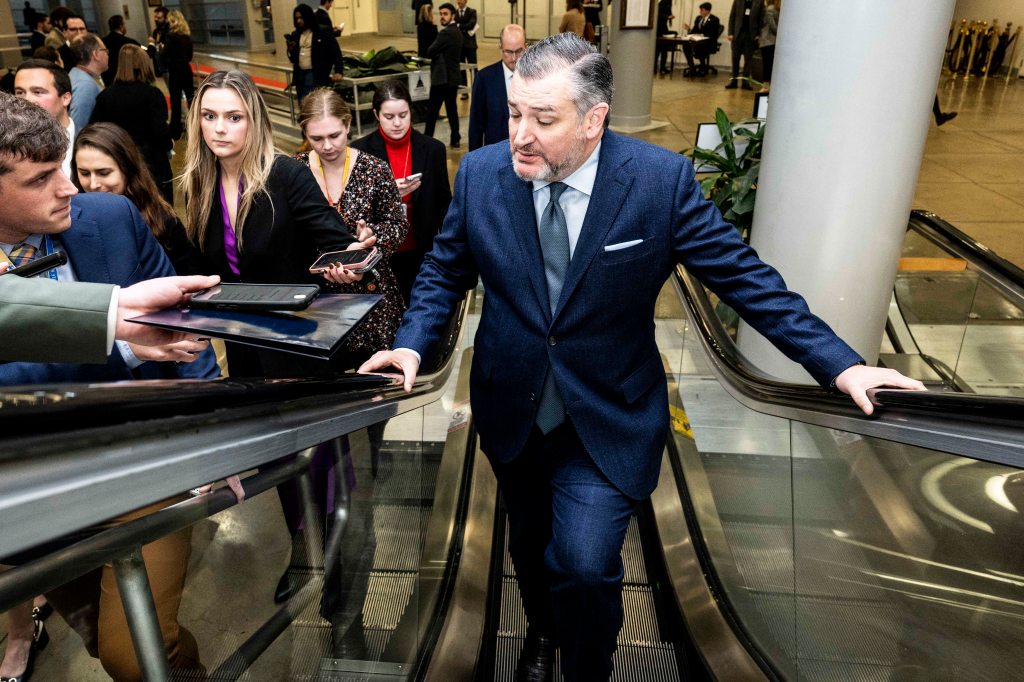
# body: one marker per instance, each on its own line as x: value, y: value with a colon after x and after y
x: 568, y: 390
x: 39, y: 31
x: 488, y: 112
x: 706, y: 24
x: 444, y: 54
x: 114, y: 41
x: 465, y: 17
x: 744, y: 26
x: 323, y: 17
x: 74, y: 26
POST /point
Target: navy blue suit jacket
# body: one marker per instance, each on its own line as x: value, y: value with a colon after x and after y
x: 600, y: 340
x: 488, y: 112
x: 109, y: 242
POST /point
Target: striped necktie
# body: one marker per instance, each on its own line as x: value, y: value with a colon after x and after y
x: 22, y: 253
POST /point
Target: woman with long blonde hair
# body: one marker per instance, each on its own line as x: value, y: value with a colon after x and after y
x: 256, y: 215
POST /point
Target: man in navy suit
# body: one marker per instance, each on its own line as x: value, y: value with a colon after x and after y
x: 568, y: 390
x: 488, y: 112
x: 103, y: 235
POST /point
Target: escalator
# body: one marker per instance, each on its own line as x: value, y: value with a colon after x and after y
x: 789, y: 537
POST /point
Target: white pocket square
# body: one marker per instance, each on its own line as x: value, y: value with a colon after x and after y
x: 623, y: 245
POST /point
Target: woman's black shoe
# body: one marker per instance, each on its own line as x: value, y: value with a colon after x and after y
x: 42, y: 612
x: 40, y: 638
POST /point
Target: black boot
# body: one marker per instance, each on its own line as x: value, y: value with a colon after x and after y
x: 537, y: 661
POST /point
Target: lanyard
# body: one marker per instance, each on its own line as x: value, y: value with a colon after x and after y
x: 344, y: 179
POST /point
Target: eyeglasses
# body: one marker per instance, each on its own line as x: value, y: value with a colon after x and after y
x: 76, y: 29
x: 514, y: 53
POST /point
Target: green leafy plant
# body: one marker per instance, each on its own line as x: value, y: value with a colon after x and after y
x: 733, y: 186
x: 387, y: 60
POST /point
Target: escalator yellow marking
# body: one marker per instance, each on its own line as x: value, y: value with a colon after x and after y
x: 680, y: 422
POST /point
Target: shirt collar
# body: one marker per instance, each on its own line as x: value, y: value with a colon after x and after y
x: 583, y: 178
x: 508, y: 72
x: 35, y: 240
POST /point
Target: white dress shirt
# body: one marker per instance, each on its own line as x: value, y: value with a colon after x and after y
x: 508, y: 77
x: 66, y: 164
x: 574, y: 200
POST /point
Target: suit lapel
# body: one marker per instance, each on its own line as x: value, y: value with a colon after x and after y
x: 523, y: 229
x: 611, y: 186
x: 84, y: 247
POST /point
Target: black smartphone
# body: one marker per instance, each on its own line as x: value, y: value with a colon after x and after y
x: 229, y: 296
x: 33, y: 268
x: 356, y: 260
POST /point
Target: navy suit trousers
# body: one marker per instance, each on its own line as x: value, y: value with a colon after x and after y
x: 567, y: 525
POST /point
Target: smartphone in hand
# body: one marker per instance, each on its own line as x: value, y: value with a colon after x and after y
x: 356, y: 260
x: 414, y: 177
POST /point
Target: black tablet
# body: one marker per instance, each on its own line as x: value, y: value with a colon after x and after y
x: 230, y: 296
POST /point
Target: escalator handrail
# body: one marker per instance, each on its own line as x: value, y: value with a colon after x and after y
x: 56, y: 479
x: 982, y: 257
x: 979, y: 427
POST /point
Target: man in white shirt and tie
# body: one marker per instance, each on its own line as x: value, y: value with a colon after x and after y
x: 488, y: 112
x: 707, y: 25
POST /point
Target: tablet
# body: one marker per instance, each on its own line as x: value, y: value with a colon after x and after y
x: 229, y: 296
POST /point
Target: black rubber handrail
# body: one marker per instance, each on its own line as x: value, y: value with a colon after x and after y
x: 973, y: 250
x: 68, y: 407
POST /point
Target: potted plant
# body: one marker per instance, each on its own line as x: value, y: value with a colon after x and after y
x: 737, y: 162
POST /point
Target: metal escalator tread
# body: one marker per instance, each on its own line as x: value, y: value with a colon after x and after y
x: 641, y: 656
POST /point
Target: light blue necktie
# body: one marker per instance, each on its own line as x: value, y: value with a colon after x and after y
x: 554, y: 244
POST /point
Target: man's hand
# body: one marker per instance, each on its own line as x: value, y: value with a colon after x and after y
x: 400, y: 359
x: 182, y: 351
x: 153, y: 295
x: 855, y: 381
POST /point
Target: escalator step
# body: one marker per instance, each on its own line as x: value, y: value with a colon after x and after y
x: 399, y: 531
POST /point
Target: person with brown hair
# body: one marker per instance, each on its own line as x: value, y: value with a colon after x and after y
x: 134, y: 103
x: 107, y: 160
x: 426, y: 29
x: 573, y: 20
x: 361, y: 188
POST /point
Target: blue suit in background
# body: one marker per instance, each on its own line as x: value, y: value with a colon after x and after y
x: 108, y: 242
x: 488, y: 111
x: 600, y: 344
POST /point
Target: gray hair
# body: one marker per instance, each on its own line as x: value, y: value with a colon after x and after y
x: 85, y: 46
x: 590, y: 72
x: 28, y: 133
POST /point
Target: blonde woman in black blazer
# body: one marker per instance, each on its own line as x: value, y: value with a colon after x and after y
x: 256, y: 215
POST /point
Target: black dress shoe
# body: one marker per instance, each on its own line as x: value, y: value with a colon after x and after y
x: 944, y: 118
x: 283, y: 591
x: 731, y: 85
x: 537, y: 661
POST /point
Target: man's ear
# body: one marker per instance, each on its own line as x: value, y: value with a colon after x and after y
x: 66, y: 100
x: 595, y: 120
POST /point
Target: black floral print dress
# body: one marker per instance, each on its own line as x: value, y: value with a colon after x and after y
x: 372, y: 195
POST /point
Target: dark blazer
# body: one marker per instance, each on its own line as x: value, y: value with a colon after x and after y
x: 488, y: 110
x: 445, y: 53
x: 141, y: 109
x: 466, y: 22
x: 736, y: 17
x: 324, y: 19
x: 325, y: 54
x: 36, y: 40
x: 283, y: 234
x: 712, y: 28
x: 114, y: 41
x: 68, y: 56
x: 426, y: 34
x: 600, y: 341
x: 430, y: 202
x: 108, y: 242
x: 177, y: 57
